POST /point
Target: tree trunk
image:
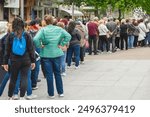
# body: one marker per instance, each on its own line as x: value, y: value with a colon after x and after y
x: 120, y: 14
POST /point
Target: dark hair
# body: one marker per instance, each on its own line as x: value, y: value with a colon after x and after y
x: 18, y: 25
x: 71, y: 26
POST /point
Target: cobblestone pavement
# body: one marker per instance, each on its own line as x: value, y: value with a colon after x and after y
x: 124, y: 75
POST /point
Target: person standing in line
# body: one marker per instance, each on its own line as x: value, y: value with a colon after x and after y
x: 74, y: 45
x: 103, y: 31
x: 50, y: 39
x: 142, y: 34
x: 93, y: 33
x: 19, y: 63
x: 123, y: 34
x: 112, y: 26
x: 63, y: 58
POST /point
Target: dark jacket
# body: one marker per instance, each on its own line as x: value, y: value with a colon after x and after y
x: 2, y: 48
x: 29, y: 55
x: 123, y: 29
x: 75, y: 38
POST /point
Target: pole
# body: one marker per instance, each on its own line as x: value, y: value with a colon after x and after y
x: 22, y: 9
x: 73, y: 10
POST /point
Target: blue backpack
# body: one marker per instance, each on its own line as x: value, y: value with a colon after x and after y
x: 19, y: 45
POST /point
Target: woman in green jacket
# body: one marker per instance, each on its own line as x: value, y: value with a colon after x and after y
x: 50, y: 40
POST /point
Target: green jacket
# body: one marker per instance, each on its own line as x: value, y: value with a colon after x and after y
x: 51, y: 36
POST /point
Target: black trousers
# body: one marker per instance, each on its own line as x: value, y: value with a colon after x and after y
x: 22, y: 67
x: 103, y: 40
x: 92, y: 40
x: 124, y: 38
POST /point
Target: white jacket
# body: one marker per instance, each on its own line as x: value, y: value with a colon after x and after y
x: 142, y: 29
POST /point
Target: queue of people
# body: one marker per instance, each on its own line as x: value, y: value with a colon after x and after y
x: 54, y: 44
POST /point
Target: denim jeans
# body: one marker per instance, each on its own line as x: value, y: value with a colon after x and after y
x: 76, y: 50
x: 52, y: 66
x: 29, y: 87
x: 3, y: 84
x: 130, y: 41
x: 63, y: 62
x: 147, y: 39
x: 35, y: 73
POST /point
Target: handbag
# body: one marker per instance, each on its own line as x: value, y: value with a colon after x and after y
x: 86, y: 44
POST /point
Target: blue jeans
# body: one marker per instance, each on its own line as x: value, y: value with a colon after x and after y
x: 147, y: 39
x: 29, y: 88
x: 76, y: 50
x: 63, y: 62
x: 35, y: 73
x: 3, y: 84
x: 52, y: 66
x: 130, y: 41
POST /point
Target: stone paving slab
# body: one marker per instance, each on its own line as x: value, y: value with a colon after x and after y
x: 104, y: 79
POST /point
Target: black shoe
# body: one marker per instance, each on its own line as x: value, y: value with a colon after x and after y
x: 89, y: 54
x: 95, y: 54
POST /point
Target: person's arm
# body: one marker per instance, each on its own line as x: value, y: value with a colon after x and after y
x: 66, y: 37
x: 37, y: 39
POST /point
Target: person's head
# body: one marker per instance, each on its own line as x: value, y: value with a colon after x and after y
x: 101, y: 21
x: 61, y: 24
x: 123, y: 21
x: 71, y: 26
x: 18, y: 25
x: 48, y: 19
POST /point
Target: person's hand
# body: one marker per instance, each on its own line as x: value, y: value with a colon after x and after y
x: 32, y: 66
x: 5, y: 67
x: 64, y: 48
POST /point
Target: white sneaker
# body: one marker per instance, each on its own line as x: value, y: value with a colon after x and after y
x: 22, y: 98
x: 68, y: 67
x: 61, y: 95
x: 10, y: 98
x: 51, y: 97
x: 109, y: 52
x: 16, y: 97
x: 34, y: 88
x: 77, y: 67
x: 63, y: 74
x: 30, y: 97
x: 82, y: 62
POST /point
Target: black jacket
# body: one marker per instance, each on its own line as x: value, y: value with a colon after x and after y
x: 29, y: 55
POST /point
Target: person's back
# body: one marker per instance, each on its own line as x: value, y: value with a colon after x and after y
x: 51, y: 37
x: 92, y: 28
x: 111, y: 26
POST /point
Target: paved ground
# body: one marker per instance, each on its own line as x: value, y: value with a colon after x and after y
x: 124, y: 75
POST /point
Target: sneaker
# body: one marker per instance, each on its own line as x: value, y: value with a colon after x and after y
x: 61, y: 95
x: 38, y: 80
x: 77, y: 67
x: 22, y: 98
x: 63, y: 74
x: 30, y: 97
x: 34, y: 88
x: 109, y: 52
x: 16, y: 97
x: 68, y: 67
x: 10, y: 98
x: 82, y: 62
x: 51, y: 97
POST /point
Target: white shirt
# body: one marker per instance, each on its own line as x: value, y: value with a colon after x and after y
x: 103, y: 30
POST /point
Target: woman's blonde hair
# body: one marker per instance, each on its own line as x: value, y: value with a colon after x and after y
x: 48, y: 19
